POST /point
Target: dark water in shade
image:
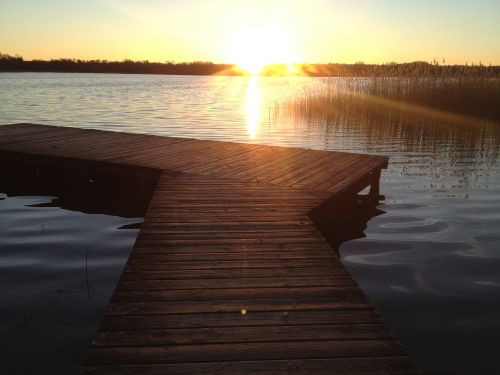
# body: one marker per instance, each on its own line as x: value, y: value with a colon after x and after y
x: 435, y: 279
x: 62, y: 252
x: 48, y: 312
x: 430, y: 263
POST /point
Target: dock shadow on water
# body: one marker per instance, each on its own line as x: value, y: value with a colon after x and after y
x: 346, y: 219
x: 63, y: 245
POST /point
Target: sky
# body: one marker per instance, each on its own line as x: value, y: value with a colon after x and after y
x: 229, y: 31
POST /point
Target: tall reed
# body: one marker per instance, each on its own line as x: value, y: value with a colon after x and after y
x: 411, y: 98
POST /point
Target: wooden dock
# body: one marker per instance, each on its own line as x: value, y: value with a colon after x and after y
x: 229, y: 275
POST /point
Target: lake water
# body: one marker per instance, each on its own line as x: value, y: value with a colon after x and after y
x: 63, y: 246
x: 58, y: 269
x: 430, y: 263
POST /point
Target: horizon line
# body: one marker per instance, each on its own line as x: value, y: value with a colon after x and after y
x: 435, y: 62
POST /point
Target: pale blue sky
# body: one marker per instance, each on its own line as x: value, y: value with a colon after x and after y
x: 319, y: 31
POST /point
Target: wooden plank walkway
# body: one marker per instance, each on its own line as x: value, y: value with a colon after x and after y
x: 292, y: 167
x: 228, y: 274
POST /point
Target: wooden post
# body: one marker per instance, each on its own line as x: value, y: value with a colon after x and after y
x: 374, y: 192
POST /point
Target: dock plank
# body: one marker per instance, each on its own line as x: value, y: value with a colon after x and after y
x: 210, y: 158
x: 359, y: 366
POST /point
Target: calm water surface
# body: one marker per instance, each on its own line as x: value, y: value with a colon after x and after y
x: 58, y: 269
x: 430, y: 264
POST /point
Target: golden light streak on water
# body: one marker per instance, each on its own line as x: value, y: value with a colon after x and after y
x: 253, y: 107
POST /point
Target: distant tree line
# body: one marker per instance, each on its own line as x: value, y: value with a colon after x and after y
x: 18, y: 64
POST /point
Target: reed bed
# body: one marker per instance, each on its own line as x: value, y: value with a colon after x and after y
x: 407, y: 99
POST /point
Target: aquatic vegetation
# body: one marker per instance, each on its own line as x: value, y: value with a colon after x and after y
x: 407, y: 98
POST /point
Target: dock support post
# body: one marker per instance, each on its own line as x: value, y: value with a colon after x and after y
x: 374, y: 192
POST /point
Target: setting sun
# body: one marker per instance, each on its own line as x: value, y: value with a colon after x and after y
x: 252, y: 49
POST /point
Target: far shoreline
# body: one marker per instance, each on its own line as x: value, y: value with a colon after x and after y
x: 10, y: 64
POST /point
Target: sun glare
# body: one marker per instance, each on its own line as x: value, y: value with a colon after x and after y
x: 252, y: 49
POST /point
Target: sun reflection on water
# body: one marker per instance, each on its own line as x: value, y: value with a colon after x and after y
x: 253, y: 107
